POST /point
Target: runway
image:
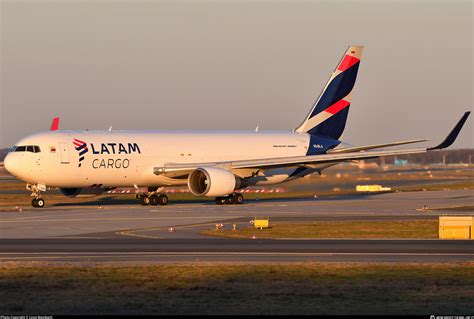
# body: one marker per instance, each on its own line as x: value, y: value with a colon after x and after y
x: 216, y: 249
x: 134, y: 234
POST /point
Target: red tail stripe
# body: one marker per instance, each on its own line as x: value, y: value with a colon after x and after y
x: 347, y: 62
x: 338, y: 106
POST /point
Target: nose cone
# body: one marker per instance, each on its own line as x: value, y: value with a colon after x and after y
x: 12, y: 163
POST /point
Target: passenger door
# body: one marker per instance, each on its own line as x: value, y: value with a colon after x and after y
x: 64, y: 152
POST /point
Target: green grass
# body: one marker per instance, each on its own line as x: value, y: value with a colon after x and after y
x: 337, y: 229
x: 311, y: 288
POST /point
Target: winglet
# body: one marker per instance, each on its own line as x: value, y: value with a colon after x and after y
x: 55, y: 124
x: 452, y: 135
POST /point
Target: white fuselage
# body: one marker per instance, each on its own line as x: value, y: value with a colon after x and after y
x: 127, y: 158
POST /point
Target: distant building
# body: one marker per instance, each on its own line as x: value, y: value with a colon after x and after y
x: 400, y: 162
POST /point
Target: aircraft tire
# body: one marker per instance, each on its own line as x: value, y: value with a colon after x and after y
x: 220, y: 200
x: 38, y: 203
x: 238, y: 198
x: 229, y: 200
x: 163, y: 199
x: 145, y: 200
x: 154, y: 200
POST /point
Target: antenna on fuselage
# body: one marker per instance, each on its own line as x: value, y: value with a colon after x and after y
x: 110, y: 128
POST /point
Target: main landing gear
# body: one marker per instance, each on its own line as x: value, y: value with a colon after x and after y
x: 153, y: 199
x: 234, y: 198
x: 37, y: 201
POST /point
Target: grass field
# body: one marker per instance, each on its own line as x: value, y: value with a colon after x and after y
x: 337, y: 229
x: 311, y: 288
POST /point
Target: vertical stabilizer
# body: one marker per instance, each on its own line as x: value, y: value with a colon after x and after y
x: 329, y: 114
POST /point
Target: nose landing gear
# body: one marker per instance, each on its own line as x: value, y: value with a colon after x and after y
x: 36, y: 189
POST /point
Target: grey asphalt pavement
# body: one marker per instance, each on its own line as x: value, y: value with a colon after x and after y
x: 132, y: 233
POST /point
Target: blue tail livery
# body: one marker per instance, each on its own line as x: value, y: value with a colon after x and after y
x: 329, y: 114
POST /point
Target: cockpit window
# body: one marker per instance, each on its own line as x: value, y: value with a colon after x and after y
x: 27, y: 148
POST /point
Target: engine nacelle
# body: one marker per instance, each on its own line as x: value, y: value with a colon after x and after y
x: 213, y: 182
x: 87, y: 191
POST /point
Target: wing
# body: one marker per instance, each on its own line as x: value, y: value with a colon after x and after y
x: 336, y: 156
x: 371, y: 147
x: 175, y: 169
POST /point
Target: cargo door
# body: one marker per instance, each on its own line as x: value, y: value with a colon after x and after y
x: 64, y: 152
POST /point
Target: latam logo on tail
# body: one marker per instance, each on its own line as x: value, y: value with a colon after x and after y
x: 81, y: 147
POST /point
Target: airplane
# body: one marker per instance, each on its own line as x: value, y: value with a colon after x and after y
x: 211, y: 163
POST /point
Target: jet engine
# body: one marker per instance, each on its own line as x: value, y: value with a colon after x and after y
x: 213, y: 182
x: 89, y: 191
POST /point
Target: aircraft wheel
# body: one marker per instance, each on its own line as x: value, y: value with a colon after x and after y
x: 220, y: 200
x: 238, y: 198
x: 38, y: 202
x: 154, y: 200
x: 229, y: 200
x: 163, y: 199
x: 145, y: 200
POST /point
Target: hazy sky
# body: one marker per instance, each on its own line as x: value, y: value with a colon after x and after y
x: 234, y: 65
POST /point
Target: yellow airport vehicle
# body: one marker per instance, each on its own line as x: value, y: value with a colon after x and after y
x: 372, y: 188
x: 261, y: 222
x: 456, y: 227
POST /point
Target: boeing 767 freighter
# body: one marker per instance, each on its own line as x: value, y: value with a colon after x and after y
x: 211, y: 163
